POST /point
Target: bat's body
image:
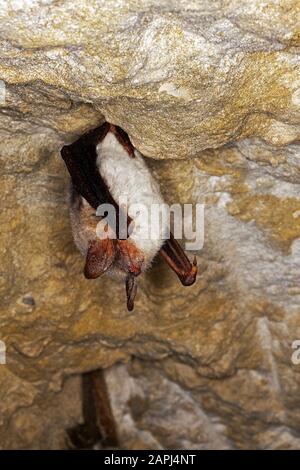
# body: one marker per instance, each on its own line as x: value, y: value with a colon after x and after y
x: 104, y: 166
x: 135, y: 182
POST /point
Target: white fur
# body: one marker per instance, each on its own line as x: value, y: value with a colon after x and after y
x: 130, y: 177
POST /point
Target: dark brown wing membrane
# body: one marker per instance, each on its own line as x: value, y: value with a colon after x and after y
x: 80, y: 159
x: 123, y: 138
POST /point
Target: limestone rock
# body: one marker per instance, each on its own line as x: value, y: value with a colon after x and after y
x: 210, y: 93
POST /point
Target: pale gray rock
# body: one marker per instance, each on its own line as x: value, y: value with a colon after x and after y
x: 210, y: 93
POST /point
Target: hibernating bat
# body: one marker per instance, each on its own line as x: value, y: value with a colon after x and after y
x: 105, y: 166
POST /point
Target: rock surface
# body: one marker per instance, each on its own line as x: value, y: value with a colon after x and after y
x: 210, y: 92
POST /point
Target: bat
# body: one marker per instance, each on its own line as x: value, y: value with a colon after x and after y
x: 104, y: 167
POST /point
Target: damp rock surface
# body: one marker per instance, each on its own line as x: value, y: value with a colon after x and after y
x: 209, y: 92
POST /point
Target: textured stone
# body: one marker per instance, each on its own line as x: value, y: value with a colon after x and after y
x: 144, y: 417
x: 209, y: 92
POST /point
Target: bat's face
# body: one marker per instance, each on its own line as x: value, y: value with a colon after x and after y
x: 120, y: 259
x: 103, y: 254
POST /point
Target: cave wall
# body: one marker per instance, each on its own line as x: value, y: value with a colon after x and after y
x: 209, y: 93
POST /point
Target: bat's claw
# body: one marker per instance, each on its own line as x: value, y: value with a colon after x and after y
x: 188, y: 278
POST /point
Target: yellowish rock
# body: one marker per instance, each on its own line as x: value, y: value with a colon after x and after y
x: 209, y: 92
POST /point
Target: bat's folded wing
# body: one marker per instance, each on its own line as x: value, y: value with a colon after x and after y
x: 80, y: 159
x: 176, y: 258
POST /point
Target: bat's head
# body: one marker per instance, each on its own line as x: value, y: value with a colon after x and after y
x: 120, y: 259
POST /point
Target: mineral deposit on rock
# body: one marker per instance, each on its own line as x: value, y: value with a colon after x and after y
x: 209, y: 92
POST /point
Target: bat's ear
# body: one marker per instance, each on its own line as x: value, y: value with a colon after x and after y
x: 100, y: 256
